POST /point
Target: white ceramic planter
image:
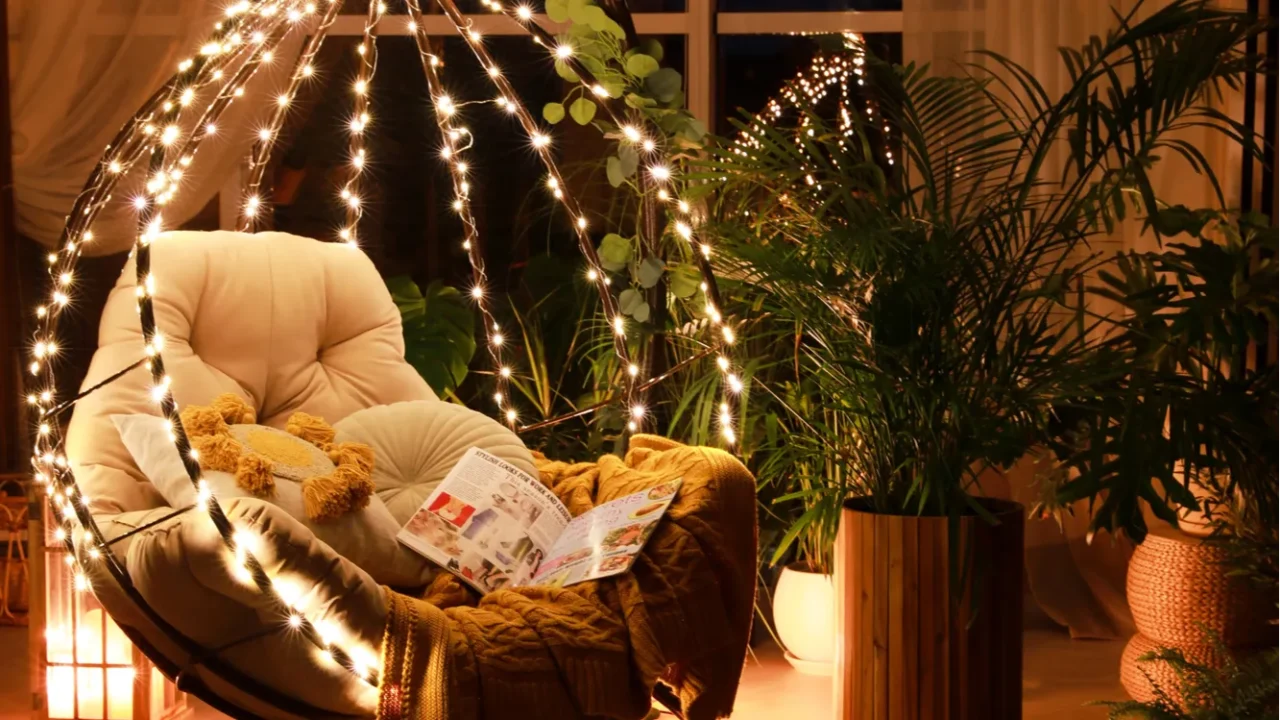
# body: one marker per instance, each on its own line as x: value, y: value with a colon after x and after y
x: 804, y: 614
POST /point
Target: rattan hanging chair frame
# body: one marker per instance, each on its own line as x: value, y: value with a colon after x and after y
x: 240, y: 45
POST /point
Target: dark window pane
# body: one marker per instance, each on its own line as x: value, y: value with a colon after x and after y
x: 805, y: 5
x: 751, y: 69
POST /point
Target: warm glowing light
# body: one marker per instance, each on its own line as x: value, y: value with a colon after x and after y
x: 564, y: 52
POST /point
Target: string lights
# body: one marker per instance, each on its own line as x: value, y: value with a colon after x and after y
x: 658, y: 167
x: 168, y: 133
x: 250, y: 29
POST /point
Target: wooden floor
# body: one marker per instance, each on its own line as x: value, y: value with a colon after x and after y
x: 1060, y: 676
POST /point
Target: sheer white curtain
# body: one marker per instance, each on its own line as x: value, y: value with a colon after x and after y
x: 79, y: 69
x: 1078, y: 583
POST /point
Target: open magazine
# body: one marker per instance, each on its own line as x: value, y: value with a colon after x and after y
x: 495, y: 526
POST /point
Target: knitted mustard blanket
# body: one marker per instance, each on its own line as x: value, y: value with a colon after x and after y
x: 680, y: 618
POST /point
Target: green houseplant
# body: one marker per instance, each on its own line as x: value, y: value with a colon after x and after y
x: 931, y: 280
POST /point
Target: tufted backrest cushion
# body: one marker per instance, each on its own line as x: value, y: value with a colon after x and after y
x: 286, y: 322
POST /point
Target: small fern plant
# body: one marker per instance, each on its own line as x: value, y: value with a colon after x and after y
x: 1238, y: 690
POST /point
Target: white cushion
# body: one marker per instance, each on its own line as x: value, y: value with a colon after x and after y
x: 417, y: 443
x: 366, y: 537
x: 286, y: 322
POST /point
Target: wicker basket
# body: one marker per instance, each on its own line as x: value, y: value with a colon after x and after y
x: 1137, y: 676
x: 1177, y: 584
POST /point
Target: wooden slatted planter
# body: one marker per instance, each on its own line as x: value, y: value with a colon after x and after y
x: 907, y: 646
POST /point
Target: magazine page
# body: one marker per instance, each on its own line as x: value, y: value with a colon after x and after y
x: 487, y: 522
x: 605, y: 540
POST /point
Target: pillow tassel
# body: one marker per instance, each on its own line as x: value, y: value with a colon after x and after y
x: 234, y: 409
x: 218, y: 452
x: 325, y: 497
x: 353, y: 454
x: 312, y: 429
x: 200, y: 421
x: 255, y: 474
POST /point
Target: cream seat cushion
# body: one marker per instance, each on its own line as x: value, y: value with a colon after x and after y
x: 418, y: 443
x: 290, y: 324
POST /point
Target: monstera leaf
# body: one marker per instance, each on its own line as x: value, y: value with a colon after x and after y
x: 439, y: 331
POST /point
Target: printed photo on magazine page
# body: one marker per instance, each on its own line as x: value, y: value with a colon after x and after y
x: 487, y: 522
x: 605, y: 540
x: 495, y: 526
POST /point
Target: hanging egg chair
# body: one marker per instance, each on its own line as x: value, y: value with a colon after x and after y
x: 239, y: 602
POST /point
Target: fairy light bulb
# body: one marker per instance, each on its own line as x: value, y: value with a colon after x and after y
x: 477, y: 292
x: 619, y: 325
x: 564, y: 51
x: 661, y: 173
x: 631, y: 133
x: 524, y: 12
x: 505, y: 372
x: 540, y: 140
x: 511, y: 416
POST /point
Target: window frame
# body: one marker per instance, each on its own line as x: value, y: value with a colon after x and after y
x: 700, y: 23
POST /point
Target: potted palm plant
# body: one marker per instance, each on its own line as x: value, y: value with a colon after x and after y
x: 929, y: 253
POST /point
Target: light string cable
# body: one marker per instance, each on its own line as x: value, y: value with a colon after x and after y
x: 159, y: 191
x: 660, y: 171
x: 252, y: 210
x: 367, y: 65
x: 51, y: 468
x: 541, y: 142
x: 280, y: 592
x: 455, y: 141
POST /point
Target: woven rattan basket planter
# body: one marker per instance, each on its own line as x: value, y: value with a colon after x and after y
x: 1177, y: 584
x: 1137, y: 677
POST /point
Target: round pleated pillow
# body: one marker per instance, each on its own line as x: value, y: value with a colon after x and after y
x: 417, y: 443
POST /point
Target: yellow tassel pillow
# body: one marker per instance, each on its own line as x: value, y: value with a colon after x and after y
x: 324, y: 484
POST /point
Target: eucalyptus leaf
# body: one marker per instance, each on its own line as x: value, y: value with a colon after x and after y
x: 650, y: 272
x: 641, y: 312
x: 582, y: 110
x: 664, y: 84
x: 615, y: 251
x: 553, y: 112
x: 596, y: 18
x: 629, y: 300
x: 694, y: 129
x: 685, y: 281
x: 558, y: 10
x: 566, y: 72
x: 613, y: 171
x: 614, y: 88
x: 578, y: 10
x: 639, y: 102
x: 642, y: 66
x: 614, y: 29
x: 629, y: 159
x: 652, y: 48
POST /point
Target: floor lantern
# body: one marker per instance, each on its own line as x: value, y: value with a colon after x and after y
x: 87, y: 667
